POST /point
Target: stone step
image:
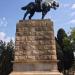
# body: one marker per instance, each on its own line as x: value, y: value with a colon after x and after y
x: 36, y: 73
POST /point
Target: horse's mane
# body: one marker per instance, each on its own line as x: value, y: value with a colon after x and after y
x: 47, y: 3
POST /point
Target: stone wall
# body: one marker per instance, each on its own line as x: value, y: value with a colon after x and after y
x: 35, y: 41
x: 35, y: 50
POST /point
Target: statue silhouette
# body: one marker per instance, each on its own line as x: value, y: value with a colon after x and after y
x: 37, y: 6
x: 38, y: 3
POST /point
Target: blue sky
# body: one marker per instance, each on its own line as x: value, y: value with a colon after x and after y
x: 10, y: 14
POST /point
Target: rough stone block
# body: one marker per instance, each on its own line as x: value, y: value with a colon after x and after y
x: 35, y: 48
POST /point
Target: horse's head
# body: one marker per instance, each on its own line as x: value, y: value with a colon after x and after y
x: 55, y: 5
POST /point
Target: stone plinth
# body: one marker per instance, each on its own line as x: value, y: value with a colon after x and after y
x: 35, y: 50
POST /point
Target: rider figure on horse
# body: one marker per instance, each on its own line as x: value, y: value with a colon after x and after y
x: 38, y: 3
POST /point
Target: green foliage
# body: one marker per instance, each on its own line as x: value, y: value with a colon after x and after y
x: 73, y: 34
x: 6, y: 56
x: 72, y: 38
x: 59, y: 56
x: 60, y: 37
x: 66, y: 49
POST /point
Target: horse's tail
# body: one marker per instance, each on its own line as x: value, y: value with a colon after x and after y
x: 31, y: 4
x: 24, y: 8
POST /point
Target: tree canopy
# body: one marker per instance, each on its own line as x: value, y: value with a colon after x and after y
x: 66, y: 49
x: 6, y: 56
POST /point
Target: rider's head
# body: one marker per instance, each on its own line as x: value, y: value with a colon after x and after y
x: 38, y: 1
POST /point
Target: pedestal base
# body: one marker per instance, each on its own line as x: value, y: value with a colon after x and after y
x: 35, y: 48
x: 36, y: 73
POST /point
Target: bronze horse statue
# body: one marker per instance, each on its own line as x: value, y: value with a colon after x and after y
x: 32, y: 7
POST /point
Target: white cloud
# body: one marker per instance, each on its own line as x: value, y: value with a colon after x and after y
x: 2, y: 36
x: 72, y: 21
x: 3, y: 22
x: 5, y: 38
x: 73, y: 6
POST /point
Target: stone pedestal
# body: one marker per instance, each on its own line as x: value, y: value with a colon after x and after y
x: 35, y: 50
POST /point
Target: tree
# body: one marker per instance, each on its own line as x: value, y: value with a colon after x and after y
x: 59, y: 56
x: 73, y: 34
x: 10, y: 56
x: 72, y: 38
x: 66, y: 47
x: 68, y: 54
x: 6, y: 51
x: 60, y: 37
x: 2, y: 56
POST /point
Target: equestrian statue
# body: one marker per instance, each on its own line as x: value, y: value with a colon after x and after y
x: 39, y: 6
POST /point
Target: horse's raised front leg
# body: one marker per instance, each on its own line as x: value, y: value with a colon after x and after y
x: 31, y: 14
x: 43, y: 14
x: 25, y: 15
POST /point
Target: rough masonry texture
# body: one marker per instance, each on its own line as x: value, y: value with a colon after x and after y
x: 35, y: 48
x: 35, y: 41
